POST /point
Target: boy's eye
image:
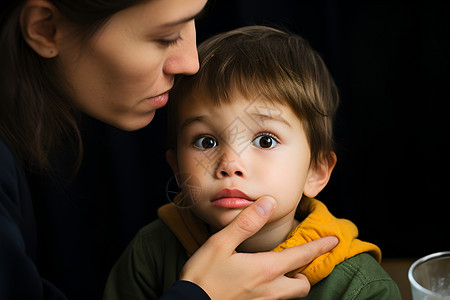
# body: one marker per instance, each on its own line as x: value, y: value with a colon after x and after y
x: 205, y: 142
x: 265, y: 141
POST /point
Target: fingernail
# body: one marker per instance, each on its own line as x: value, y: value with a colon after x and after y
x: 265, y: 206
x: 333, y: 241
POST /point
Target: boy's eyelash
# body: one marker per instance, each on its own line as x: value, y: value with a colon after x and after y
x: 195, y: 138
x: 268, y: 134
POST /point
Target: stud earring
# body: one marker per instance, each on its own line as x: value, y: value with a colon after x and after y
x: 52, y: 52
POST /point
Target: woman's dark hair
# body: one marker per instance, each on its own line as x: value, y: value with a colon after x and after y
x: 37, y: 115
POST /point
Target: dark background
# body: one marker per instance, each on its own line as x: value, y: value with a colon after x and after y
x: 390, y: 60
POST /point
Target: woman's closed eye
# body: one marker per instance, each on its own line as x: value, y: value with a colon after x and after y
x: 170, y: 39
x: 170, y: 42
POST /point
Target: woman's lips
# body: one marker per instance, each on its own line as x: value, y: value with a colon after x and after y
x: 160, y: 100
x: 227, y: 198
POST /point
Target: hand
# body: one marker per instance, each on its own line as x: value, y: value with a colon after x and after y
x: 225, y: 274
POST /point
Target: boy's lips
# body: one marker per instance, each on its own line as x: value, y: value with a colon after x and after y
x: 228, y: 198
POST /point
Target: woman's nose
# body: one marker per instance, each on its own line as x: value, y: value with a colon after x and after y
x: 184, y: 58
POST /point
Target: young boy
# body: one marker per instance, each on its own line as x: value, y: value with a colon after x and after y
x: 256, y: 120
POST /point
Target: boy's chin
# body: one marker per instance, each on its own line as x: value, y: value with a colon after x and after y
x: 218, y: 227
x: 223, y: 221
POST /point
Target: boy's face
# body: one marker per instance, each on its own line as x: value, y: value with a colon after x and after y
x: 230, y: 155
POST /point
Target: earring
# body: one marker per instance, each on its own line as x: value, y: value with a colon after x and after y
x: 52, y: 52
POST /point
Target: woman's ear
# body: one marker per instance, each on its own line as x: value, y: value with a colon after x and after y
x: 319, y: 175
x: 39, y: 26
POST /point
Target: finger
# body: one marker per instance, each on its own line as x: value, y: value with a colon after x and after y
x: 299, y: 256
x: 246, y: 224
x: 285, y: 288
x: 300, y: 287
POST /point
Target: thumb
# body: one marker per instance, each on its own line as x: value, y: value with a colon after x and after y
x: 247, y: 223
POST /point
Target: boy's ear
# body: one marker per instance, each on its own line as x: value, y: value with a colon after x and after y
x: 171, y: 159
x: 319, y: 175
x: 39, y: 26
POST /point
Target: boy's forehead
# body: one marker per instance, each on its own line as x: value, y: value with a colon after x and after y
x: 262, y: 106
x: 255, y: 108
x: 252, y: 103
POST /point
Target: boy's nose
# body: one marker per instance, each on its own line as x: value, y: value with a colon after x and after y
x: 230, y: 166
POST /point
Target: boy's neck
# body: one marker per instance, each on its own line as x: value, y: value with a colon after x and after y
x: 270, y: 236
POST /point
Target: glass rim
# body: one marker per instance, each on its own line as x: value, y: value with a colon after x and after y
x: 422, y: 260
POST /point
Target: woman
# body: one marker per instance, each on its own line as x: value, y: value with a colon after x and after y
x: 65, y: 64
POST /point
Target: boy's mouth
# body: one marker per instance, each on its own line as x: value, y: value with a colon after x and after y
x: 231, y: 198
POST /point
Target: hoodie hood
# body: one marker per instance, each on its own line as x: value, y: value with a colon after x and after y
x: 315, y: 222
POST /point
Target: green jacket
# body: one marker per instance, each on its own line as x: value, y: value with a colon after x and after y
x: 154, y: 259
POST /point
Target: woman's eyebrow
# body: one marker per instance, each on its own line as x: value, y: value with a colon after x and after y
x: 181, y: 21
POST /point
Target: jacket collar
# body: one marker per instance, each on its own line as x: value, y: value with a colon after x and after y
x: 315, y: 222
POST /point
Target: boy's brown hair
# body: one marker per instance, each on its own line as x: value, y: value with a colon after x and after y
x: 259, y: 61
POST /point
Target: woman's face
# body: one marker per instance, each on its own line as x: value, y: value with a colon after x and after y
x: 125, y: 71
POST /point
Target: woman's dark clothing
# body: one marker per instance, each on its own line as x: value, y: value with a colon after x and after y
x: 60, y: 240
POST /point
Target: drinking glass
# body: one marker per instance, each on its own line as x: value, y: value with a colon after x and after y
x: 430, y: 277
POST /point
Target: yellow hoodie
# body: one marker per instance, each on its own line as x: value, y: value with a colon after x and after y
x: 315, y: 222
